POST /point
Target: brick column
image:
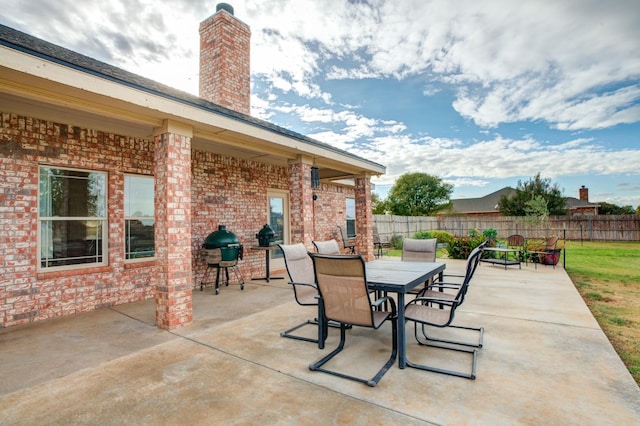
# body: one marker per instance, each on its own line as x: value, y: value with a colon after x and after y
x: 301, y: 203
x: 364, y: 217
x: 174, y: 306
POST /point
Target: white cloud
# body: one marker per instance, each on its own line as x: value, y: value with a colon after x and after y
x: 571, y: 65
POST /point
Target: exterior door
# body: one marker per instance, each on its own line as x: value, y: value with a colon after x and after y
x: 278, y: 210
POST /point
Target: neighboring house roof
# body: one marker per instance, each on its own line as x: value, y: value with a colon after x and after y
x: 487, y: 204
x: 573, y: 203
x: 138, y: 101
x: 490, y: 203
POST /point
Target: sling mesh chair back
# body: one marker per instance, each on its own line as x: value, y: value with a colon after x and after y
x: 473, y: 260
x: 419, y: 250
x: 300, y: 270
x: 449, y: 289
x: 436, y: 308
x: 344, y: 298
x: 326, y: 247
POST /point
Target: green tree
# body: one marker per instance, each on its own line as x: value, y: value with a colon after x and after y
x: 536, y: 210
x: 536, y: 190
x: 378, y: 205
x: 418, y: 194
x: 607, y: 208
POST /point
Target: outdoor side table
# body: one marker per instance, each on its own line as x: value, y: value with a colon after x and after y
x: 504, y: 260
x: 267, y: 257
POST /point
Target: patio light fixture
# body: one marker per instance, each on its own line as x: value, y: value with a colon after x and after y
x: 315, y: 177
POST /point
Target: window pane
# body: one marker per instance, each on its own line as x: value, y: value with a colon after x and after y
x: 72, y: 217
x: 276, y: 221
x: 72, y: 193
x: 276, y: 217
x: 138, y: 200
x: 139, y: 217
x: 71, y: 242
x: 351, y: 217
x: 139, y: 238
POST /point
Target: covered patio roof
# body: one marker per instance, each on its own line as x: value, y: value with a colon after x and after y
x: 42, y: 80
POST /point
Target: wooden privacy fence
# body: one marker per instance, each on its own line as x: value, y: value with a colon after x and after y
x: 594, y: 228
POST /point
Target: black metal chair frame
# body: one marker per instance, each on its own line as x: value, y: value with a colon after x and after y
x: 345, y: 240
x: 392, y: 316
x: 377, y: 246
x: 440, y: 299
x: 322, y: 330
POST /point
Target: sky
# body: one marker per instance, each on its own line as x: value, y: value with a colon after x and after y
x: 481, y: 93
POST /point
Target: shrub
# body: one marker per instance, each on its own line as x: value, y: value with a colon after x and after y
x: 422, y: 235
x: 461, y: 247
x: 441, y: 236
x: 396, y: 242
x: 490, y: 235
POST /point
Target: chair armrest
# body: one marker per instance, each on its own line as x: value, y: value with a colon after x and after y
x: 437, y: 277
x: 385, y: 299
x: 447, y: 302
x: 445, y: 285
x: 293, y: 283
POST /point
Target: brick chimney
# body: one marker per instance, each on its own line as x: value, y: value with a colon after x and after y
x: 224, y: 60
x: 584, y: 194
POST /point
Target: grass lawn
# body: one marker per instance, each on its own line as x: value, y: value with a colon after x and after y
x: 607, y: 275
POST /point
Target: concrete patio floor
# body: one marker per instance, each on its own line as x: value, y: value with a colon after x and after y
x: 545, y: 360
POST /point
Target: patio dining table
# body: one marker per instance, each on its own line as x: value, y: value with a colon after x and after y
x: 400, y: 277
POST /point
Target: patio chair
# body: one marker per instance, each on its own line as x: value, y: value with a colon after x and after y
x: 449, y: 290
x: 347, y: 243
x: 516, y: 241
x: 475, y: 256
x: 326, y: 247
x: 377, y: 245
x: 419, y: 250
x: 344, y: 298
x: 437, y: 309
x: 300, y: 270
x: 544, y: 255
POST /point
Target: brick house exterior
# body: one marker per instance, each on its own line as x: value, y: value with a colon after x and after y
x: 211, y: 165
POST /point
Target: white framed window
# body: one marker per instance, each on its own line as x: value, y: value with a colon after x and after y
x: 139, y: 219
x: 72, y: 218
x: 351, y: 217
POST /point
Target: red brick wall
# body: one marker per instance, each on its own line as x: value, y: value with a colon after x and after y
x: 25, y: 294
x: 232, y: 192
x: 224, y: 191
x: 330, y: 211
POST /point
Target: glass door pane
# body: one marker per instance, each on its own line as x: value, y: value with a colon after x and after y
x: 279, y: 220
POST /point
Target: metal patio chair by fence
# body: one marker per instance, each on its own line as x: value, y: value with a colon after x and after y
x: 516, y: 241
x: 348, y: 243
x: 344, y: 298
